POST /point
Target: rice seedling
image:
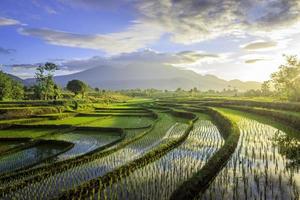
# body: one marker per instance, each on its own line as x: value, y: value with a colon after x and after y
x: 159, y: 179
x: 25, y: 132
x: 53, y: 184
x: 28, y: 157
x: 84, y: 142
x: 6, y: 145
x: 122, y: 122
x: 153, y: 159
x: 70, y: 121
x: 257, y: 169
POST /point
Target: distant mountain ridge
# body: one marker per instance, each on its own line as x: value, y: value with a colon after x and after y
x: 16, y: 78
x: 141, y: 75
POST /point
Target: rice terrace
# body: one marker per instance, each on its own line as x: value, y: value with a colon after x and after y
x: 150, y: 99
x: 171, y: 148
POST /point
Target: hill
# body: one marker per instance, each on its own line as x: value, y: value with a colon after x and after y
x: 141, y: 75
x: 15, y: 78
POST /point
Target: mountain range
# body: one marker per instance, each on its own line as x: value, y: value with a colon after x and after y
x: 158, y: 76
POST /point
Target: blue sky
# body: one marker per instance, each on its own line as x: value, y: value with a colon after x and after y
x: 231, y: 39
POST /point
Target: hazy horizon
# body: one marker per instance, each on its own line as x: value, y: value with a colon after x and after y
x: 231, y: 39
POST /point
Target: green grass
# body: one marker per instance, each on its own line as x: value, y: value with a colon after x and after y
x: 128, y: 104
x: 235, y: 114
x: 122, y: 122
x: 69, y: 121
x: 102, y: 121
x: 231, y: 114
x: 203, y: 116
x: 13, y: 121
x: 296, y: 114
x: 24, y: 132
x: 5, y: 145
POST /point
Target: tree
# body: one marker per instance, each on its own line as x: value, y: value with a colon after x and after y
x: 178, y: 90
x: 252, y: 93
x: 5, y: 86
x: 265, y: 89
x: 17, y: 91
x: 287, y: 79
x: 10, y: 88
x: 44, y: 89
x: 77, y: 87
x: 57, y: 92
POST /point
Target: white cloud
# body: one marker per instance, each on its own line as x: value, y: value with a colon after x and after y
x: 7, y: 21
x: 137, y: 36
x: 181, y: 59
x: 197, y: 20
x: 259, y: 45
x: 187, y: 22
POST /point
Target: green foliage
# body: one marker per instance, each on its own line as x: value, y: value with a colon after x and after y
x: 21, y: 112
x: 24, y: 132
x: 265, y: 89
x: 45, y: 87
x: 253, y: 93
x: 77, y: 87
x: 291, y: 106
x: 290, y: 147
x: 9, y: 88
x: 287, y: 79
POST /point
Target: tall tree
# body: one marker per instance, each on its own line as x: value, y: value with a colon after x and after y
x: 17, y: 90
x: 44, y: 88
x: 265, y: 89
x: 5, y: 86
x: 287, y: 79
x: 77, y: 87
x: 10, y: 89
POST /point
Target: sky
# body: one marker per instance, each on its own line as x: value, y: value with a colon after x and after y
x: 232, y: 39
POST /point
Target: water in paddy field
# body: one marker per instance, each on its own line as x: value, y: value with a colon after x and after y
x: 27, y: 157
x: 159, y: 179
x: 5, y: 145
x: 257, y: 169
x: 84, y: 142
x: 53, y: 185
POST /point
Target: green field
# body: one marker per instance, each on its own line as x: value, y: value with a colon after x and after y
x: 173, y: 148
x: 25, y: 132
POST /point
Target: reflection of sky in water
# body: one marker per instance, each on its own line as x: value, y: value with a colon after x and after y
x: 86, y: 171
x: 159, y: 179
x: 83, y: 143
x: 28, y: 157
x: 258, y: 162
x: 5, y: 145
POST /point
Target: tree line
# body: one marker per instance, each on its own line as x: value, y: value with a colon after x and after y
x: 10, y: 88
x: 284, y: 83
x: 44, y: 88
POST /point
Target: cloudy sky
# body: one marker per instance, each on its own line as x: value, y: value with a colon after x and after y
x: 232, y: 39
